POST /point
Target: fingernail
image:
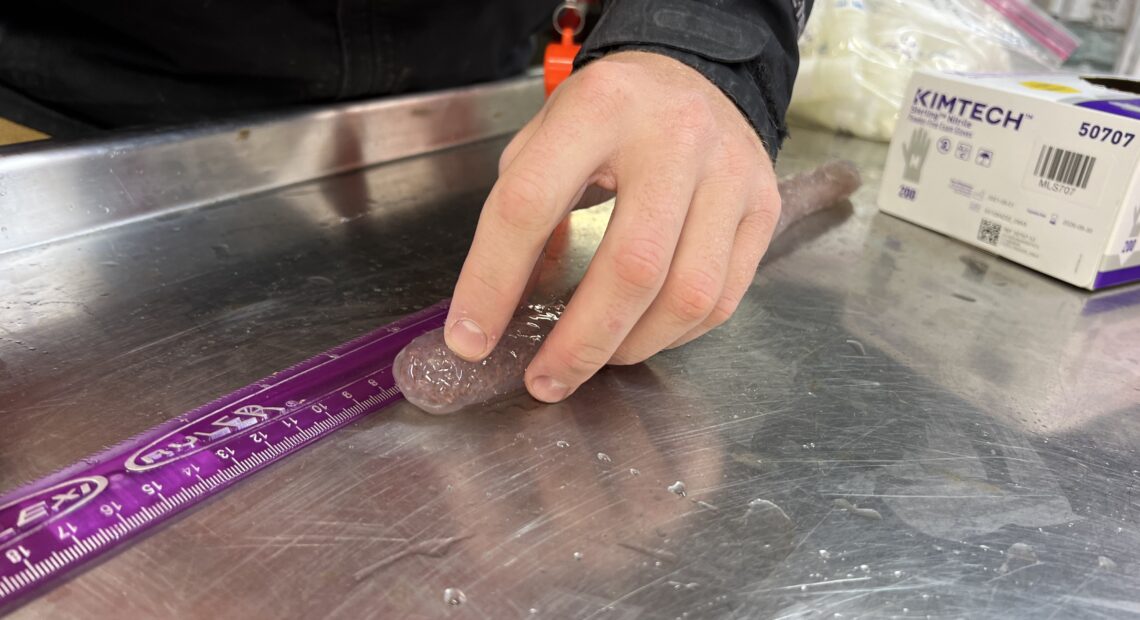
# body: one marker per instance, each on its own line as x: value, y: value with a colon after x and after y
x: 466, y: 339
x: 549, y: 389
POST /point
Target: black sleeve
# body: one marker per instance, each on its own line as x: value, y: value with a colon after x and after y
x: 746, y: 47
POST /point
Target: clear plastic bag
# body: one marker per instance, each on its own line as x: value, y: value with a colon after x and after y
x: 858, y: 55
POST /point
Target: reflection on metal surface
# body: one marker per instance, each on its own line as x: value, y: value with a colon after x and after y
x: 50, y: 191
x: 987, y: 415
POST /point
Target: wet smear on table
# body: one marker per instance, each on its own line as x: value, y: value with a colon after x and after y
x: 852, y: 509
x: 656, y: 554
x: 431, y: 547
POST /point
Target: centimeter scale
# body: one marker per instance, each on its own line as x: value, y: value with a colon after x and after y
x: 60, y: 522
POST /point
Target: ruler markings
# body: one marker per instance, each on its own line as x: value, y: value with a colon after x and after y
x: 270, y: 445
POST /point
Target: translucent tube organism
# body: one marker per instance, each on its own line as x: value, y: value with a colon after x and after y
x: 438, y: 381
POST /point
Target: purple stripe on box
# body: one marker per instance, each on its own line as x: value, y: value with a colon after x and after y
x: 1117, y: 276
x: 1121, y: 107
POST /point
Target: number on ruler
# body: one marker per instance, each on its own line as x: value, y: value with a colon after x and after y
x: 191, y: 470
x: 17, y: 555
x: 224, y: 453
x: 373, y: 383
x: 151, y: 488
x: 66, y: 530
x: 259, y: 437
x: 110, y: 508
x: 320, y: 408
x: 346, y: 394
x: 290, y: 422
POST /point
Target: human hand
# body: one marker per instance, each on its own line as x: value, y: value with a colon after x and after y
x: 696, y: 206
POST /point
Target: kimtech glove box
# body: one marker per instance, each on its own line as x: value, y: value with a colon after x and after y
x: 1039, y: 169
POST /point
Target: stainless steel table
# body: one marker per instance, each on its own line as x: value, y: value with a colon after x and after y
x: 893, y: 425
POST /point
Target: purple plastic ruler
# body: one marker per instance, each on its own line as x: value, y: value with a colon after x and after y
x: 56, y: 524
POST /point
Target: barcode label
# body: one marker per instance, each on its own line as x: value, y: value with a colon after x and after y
x: 1061, y: 166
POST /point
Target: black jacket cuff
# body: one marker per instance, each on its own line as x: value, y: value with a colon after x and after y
x: 747, y: 48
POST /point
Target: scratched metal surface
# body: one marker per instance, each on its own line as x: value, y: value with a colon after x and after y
x: 893, y: 425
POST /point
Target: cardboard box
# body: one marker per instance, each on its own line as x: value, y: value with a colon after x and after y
x: 1039, y: 169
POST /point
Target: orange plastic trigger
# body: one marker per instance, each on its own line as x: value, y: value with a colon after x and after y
x: 558, y: 62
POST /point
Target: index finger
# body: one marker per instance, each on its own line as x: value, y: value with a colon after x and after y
x: 532, y: 195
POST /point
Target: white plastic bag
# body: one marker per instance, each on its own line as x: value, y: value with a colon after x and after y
x: 856, y: 56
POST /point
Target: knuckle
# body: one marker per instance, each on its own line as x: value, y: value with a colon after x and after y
x: 694, y: 297
x: 508, y: 155
x: 605, y: 90
x: 598, y: 77
x: 725, y: 307
x: 738, y: 162
x: 521, y: 203
x: 583, y: 359
x: 640, y: 265
x: 770, y: 197
x: 763, y: 215
x: 625, y: 356
x: 660, y: 206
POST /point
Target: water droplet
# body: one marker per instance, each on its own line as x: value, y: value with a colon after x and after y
x: 605, y: 458
x: 803, y: 588
x: 1021, y: 551
x: 898, y: 573
x: 677, y: 585
x: 824, y: 553
x: 1105, y: 563
x: 561, y: 443
x: 454, y: 596
x: 864, y: 568
x: 925, y: 597
x: 634, y: 472
x: 533, y: 610
x: 578, y: 555
x: 677, y: 488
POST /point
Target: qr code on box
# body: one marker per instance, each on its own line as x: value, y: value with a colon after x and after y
x: 989, y: 232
